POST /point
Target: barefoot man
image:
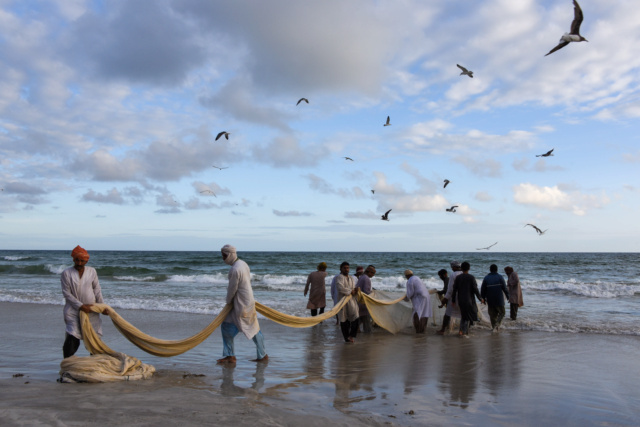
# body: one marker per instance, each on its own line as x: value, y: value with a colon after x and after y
x: 243, y: 317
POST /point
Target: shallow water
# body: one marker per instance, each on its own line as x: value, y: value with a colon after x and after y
x: 563, y: 292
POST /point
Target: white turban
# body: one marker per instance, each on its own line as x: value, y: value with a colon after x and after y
x: 231, y: 254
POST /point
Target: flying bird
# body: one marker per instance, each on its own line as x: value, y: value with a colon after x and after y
x: 488, y: 247
x: 452, y: 208
x: 209, y: 192
x: 302, y: 99
x: 226, y: 135
x: 540, y: 232
x: 217, y: 167
x: 348, y: 158
x: 388, y: 121
x: 446, y: 182
x: 547, y: 154
x: 465, y: 72
x: 373, y: 191
x: 385, y: 217
x: 574, y: 34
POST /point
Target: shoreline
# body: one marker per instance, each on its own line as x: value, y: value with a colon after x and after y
x: 510, y: 378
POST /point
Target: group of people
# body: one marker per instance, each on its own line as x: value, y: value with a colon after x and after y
x: 459, y: 294
x: 460, y: 291
x: 81, y: 289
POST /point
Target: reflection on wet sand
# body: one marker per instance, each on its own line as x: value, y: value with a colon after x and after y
x: 458, y: 374
x: 229, y: 388
x: 501, y: 360
x: 316, y: 340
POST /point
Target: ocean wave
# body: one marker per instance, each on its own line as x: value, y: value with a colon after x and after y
x: 141, y: 279
x: 217, y: 278
x: 16, y: 258
x: 592, y: 290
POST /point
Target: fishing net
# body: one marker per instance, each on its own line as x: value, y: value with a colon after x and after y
x: 389, y: 312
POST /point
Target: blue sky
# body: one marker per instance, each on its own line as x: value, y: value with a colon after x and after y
x: 109, y: 112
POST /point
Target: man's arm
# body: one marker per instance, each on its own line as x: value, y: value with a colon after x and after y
x: 66, y: 281
x: 232, y: 289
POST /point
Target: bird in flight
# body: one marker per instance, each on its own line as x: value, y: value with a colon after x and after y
x: 348, y: 158
x: 547, y: 154
x: 488, y: 247
x: 209, y: 192
x: 574, y: 34
x: 465, y: 72
x: 385, y: 217
x: 226, y: 135
x: 446, y: 182
x: 540, y: 232
x: 373, y: 191
x: 302, y: 99
x: 452, y: 208
x: 217, y: 167
x: 388, y: 121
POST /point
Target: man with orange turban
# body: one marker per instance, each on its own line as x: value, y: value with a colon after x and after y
x: 81, y: 289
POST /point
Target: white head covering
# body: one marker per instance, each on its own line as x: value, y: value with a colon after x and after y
x: 231, y: 254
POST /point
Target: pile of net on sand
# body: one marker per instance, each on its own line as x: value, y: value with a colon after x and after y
x: 387, y: 311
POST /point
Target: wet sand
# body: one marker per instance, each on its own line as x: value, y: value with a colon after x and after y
x: 510, y: 378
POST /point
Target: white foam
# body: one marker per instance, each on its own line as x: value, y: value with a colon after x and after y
x: 56, y: 269
x: 15, y: 258
x: 597, y: 289
x: 135, y: 279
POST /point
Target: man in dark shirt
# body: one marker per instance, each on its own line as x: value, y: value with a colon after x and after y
x: 464, y: 289
x: 493, y: 286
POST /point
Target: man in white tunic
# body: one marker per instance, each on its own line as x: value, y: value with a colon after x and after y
x: 243, y: 317
x: 348, y: 316
x: 81, y: 289
x: 419, y: 295
x: 452, y: 308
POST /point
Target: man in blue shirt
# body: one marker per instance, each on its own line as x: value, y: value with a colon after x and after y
x: 493, y: 286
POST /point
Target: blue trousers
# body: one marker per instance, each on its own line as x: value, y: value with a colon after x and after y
x: 229, y: 331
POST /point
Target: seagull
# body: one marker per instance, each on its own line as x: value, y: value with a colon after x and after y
x: 385, y: 217
x: 373, y: 191
x: 348, y: 158
x: 487, y: 248
x: 209, y: 192
x: 547, y: 154
x: 302, y: 99
x: 388, y: 121
x: 465, y: 72
x: 446, y: 182
x: 226, y: 135
x: 217, y: 167
x: 452, y: 208
x: 574, y: 34
x: 540, y: 232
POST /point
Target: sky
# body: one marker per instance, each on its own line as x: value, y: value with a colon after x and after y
x: 109, y: 112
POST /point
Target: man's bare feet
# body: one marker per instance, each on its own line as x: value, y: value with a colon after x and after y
x: 264, y: 359
x: 228, y: 359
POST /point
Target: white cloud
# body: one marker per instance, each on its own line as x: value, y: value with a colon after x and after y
x: 112, y: 196
x: 291, y: 213
x: 554, y: 198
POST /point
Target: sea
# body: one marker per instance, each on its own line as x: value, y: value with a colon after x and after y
x: 563, y: 292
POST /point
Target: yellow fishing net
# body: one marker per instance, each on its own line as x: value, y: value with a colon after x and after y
x: 105, y: 364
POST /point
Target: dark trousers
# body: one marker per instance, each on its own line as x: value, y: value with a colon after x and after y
x: 496, y: 314
x: 314, y: 311
x: 70, y: 346
x: 349, y: 329
x: 513, y: 311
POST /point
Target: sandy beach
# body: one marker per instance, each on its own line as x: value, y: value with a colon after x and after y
x: 510, y: 378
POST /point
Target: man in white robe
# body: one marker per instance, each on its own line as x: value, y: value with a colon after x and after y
x: 452, y: 308
x: 348, y: 316
x: 243, y: 317
x: 418, y: 293
x: 81, y: 289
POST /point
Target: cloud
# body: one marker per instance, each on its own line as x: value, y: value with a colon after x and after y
x: 362, y: 215
x: 481, y: 167
x: 291, y: 213
x: 555, y: 198
x: 203, y: 189
x: 322, y: 186
x: 483, y: 196
x: 141, y: 42
x: 113, y: 196
x: 436, y: 137
x: 540, y: 165
x: 285, y: 151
